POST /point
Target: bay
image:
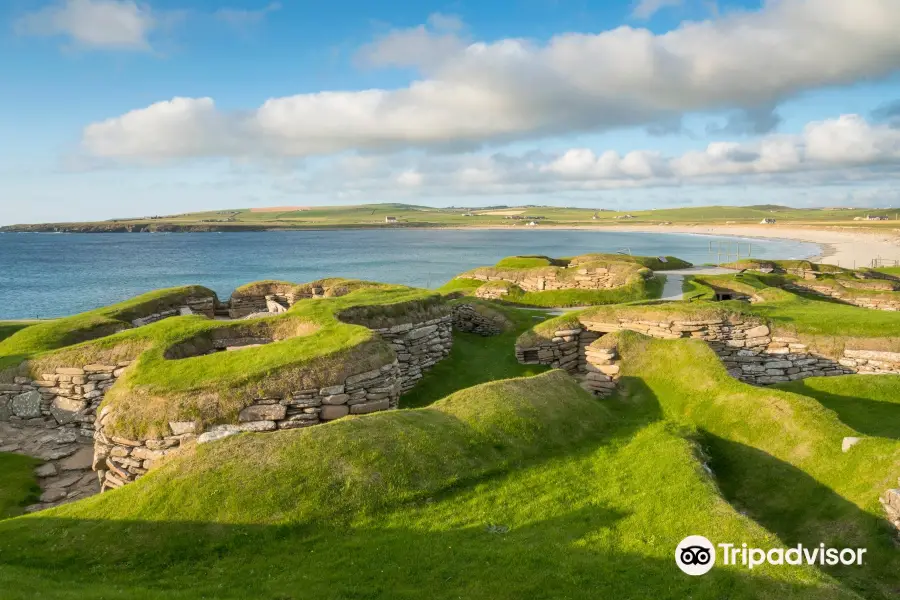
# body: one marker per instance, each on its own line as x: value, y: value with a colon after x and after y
x: 52, y: 275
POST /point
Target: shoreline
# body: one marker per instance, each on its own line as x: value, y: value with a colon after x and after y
x: 848, y: 247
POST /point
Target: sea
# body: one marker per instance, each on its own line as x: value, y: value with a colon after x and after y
x: 44, y: 275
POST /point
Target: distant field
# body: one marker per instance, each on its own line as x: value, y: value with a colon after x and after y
x: 405, y: 215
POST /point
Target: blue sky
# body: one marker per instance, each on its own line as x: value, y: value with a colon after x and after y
x: 118, y: 108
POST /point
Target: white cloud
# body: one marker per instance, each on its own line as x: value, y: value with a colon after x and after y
x: 120, y: 24
x: 645, y: 9
x: 842, y: 150
x: 513, y: 90
x: 426, y: 46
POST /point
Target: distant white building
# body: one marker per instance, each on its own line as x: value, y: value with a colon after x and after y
x: 531, y: 224
x: 390, y: 219
x: 767, y: 222
x: 871, y: 218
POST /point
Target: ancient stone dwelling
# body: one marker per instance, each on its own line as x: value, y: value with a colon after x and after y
x: 55, y: 415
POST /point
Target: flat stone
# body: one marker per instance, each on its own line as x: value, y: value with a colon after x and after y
x: 368, y: 407
x: 332, y: 390
x: 334, y: 411
x: 336, y: 399
x: 218, y: 432
x: 257, y: 426
x: 69, y: 371
x: 45, y: 470
x: 143, y: 453
x: 53, y: 494
x: 26, y: 406
x: 64, y: 410
x: 183, y: 427
x: 81, y: 459
x: 263, y: 412
x: 759, y: 331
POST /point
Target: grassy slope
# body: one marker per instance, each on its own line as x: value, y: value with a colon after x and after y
x: 520, y: 488
x: 7, y: 328
x: 870, y: 404
x: 373, y: 215
x: 18, y: 487
x: 776, y: 455
x: 475, y: 359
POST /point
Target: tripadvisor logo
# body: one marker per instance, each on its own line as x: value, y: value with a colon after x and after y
x: 696, y: 555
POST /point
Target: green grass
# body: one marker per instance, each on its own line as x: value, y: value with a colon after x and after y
x: 776, y: 455
x: 524, y: 262
x: 869, y: 404
x: 475, y: 359
x: 637, y: 290
x: 373, y: 215
x: 829, y: 322
x: 7, y: 328
x: 513, y: 489
x: 318, y: 342
x: 650, y: 262
x: 18, y: 487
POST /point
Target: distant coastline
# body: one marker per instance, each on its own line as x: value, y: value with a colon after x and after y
x: 844, y: 246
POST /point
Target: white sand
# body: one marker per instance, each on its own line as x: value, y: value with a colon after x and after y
x: 842, y: 246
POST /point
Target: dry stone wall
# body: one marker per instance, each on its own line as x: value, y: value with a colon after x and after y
x: 193, y: 305
x: 553, y: 278
x: 749, y: 350
x: 874, y: 302
x: 119, y: 460
x: 419, y: 346
x: 52, y: 418
x: 469, y: 319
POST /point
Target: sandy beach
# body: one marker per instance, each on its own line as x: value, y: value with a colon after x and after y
x: 844, y: 247
x: 841, y: 246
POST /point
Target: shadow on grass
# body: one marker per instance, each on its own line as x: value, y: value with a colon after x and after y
x: 869, y: 417
x: 799, y: 509
x: 547, y: 559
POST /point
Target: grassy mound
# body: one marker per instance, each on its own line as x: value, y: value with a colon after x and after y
x: 525, y: 262
x: 632, y: 280
x: 58, y: 333
x: 520, y: 488
x: 18, y: 487
x: 777, y: 455
x: 319, y: 341
x: 650, y: 262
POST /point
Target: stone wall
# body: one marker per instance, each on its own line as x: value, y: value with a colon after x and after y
x: 419, y: 346
x: 585, y: 276
x: 891, y: 503
x: 52, y: 418
x: 891, y: 303
x: 748, y: 350
x: 119, y: 460
x: 469, y: 319
x: 193, y: 305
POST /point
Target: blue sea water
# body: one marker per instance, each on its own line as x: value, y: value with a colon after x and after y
x: 51, y: 275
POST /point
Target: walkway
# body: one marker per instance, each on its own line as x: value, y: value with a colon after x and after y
x: 675, y: 280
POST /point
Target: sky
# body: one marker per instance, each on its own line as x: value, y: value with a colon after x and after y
x: 123, y: 108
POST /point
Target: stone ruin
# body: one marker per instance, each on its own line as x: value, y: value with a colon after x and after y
x: 55, y: 417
